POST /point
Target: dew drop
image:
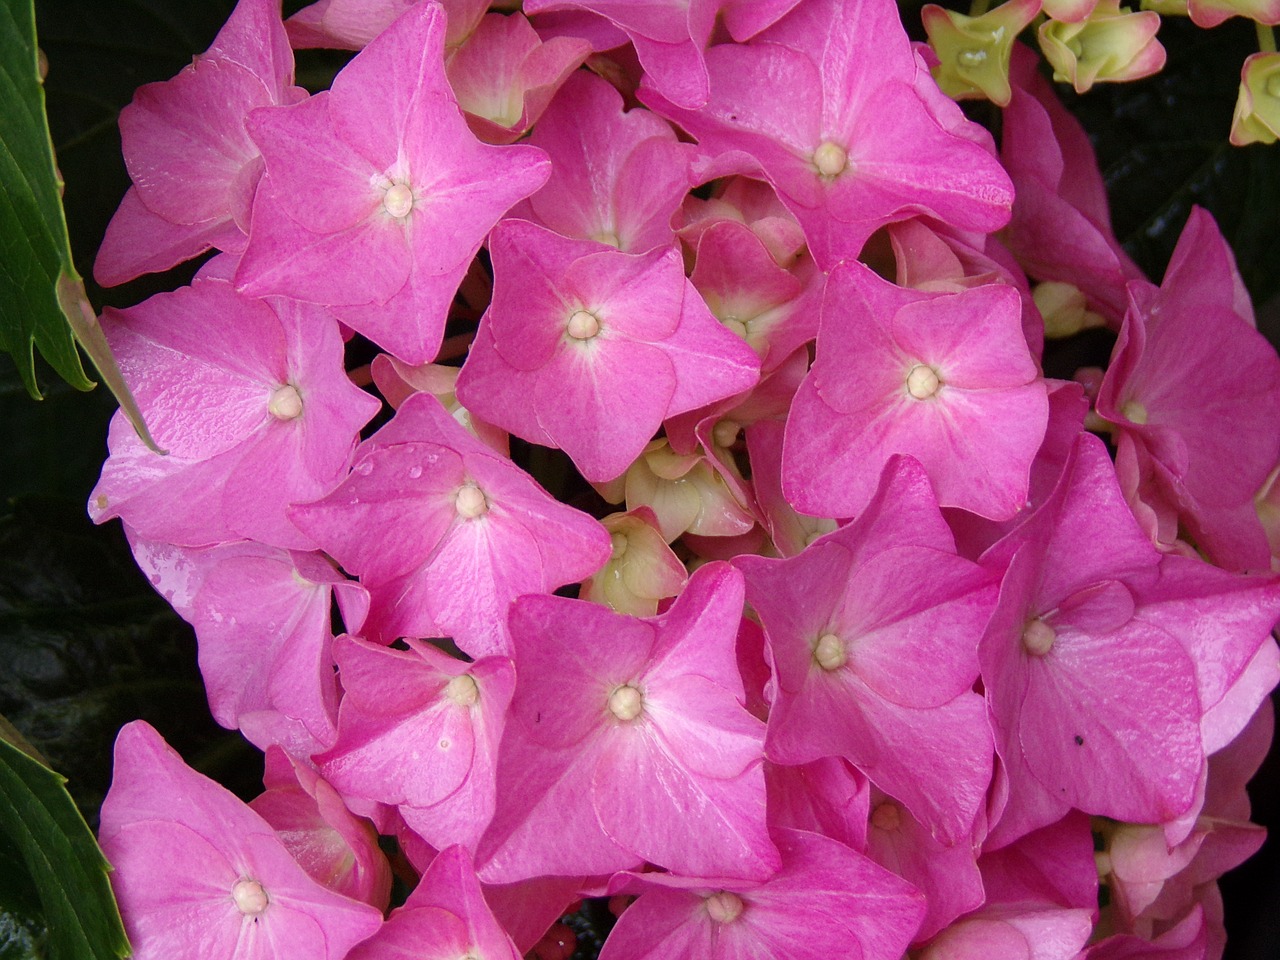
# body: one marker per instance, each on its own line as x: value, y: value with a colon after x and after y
x: 364, y: 468
x: 415, y: 472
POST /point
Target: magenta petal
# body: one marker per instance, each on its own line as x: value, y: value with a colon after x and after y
x: 694, y: 825
x: 181, y: 843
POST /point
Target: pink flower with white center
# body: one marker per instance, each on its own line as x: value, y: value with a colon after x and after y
x: 504, y: 75
x: 445, y: 533
x: 376, y: 195
x: 1179, y: 413
x: 588, y: 349
x: 850, y: 131
x: 617, y: 177
x: 420, y: 729
x: 632, y: 734
x: 871, y: 635
x: 199, y: 875
x: 194, y: 167
x: 825, y: 901
x: 262, y: 620
x: 249, y: 399
x: 944, y: 378
x: 1115, y: 728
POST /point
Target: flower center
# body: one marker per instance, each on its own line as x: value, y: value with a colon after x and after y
x: 626, y: 702
x: 398, y: 200
x: 470, y: 502
x: 923, y: 382
x: 829, y: 652
x: 582, y: 325
x: 619, y: 543
x: 249, y: 896
x: 886, y: 817
x: 1038, y: 637
x: 725, y: 433
x: 737, y: 325
x: 285, y: 403
x: 724, y: 907
x: 971, y: 58
x: 1134, y: 412
x: 830, y: 159
x: 463, y: 690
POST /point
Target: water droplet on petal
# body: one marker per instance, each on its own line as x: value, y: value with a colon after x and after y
x: 364, y: 468
x: 415, y: 472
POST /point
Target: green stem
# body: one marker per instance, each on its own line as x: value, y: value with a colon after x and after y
x: 1266, y: 38
x: 978, y: 7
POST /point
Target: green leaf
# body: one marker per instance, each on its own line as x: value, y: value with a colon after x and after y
x: 60, y: 859
x: 34, y: 251
x: 42, y: 297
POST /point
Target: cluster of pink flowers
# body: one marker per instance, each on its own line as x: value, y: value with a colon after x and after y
x: 884, y: 656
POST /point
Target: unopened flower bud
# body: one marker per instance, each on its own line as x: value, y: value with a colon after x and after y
x: 1257, y: 114
x: 1111, y: 46
x: 974, y: 52
x: 1065, y: 312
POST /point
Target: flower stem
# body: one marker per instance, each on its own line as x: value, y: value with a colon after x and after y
x: 1266, y: 38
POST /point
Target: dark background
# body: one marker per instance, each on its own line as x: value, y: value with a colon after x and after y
x: 87, y: 645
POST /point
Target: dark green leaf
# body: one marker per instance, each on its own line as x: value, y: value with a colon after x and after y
x: 60, y: 860
x: 34, y: 252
